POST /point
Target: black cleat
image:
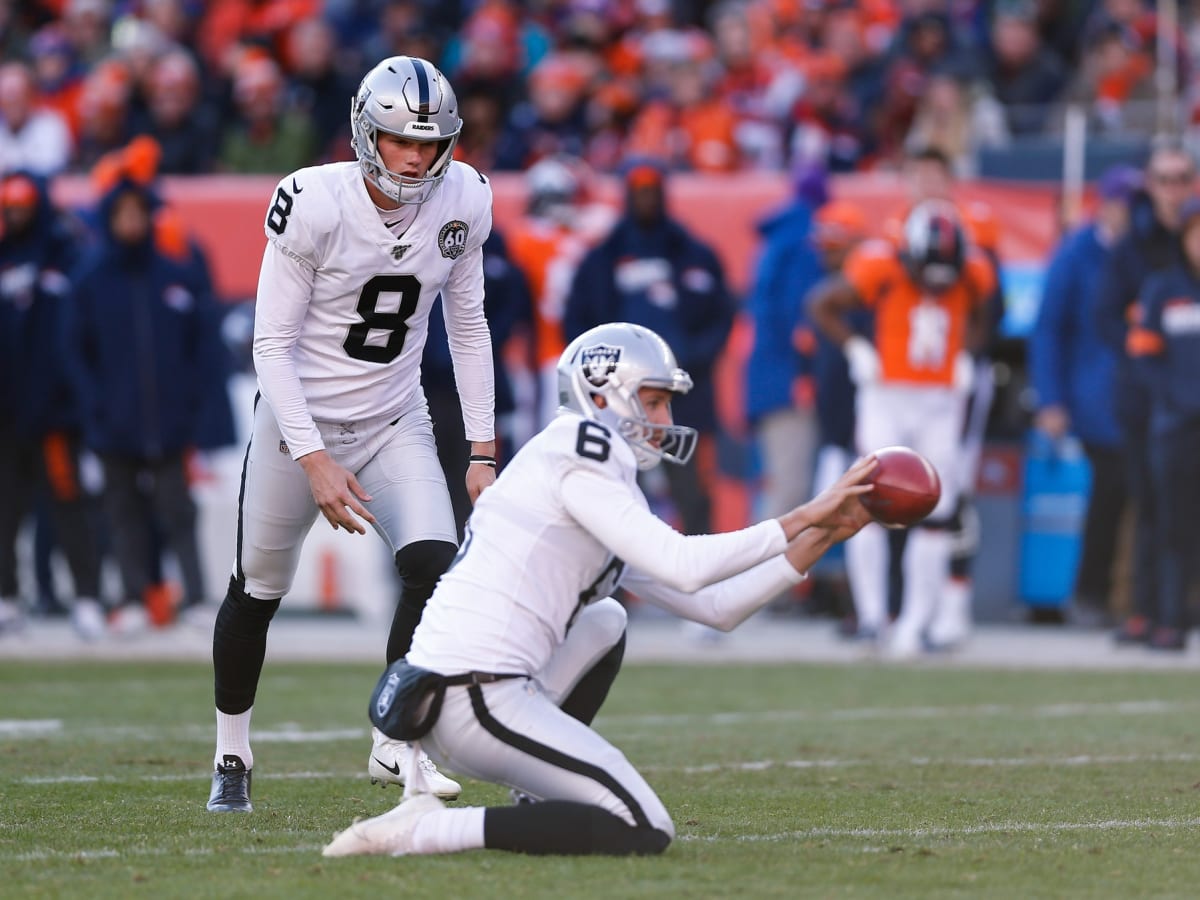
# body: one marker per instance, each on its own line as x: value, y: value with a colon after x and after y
x: 230, y: 787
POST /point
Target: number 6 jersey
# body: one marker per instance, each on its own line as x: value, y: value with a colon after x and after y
x: 343, y: 303
x: 563, y: 525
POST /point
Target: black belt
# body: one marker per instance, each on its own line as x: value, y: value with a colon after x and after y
x: 481, y: 677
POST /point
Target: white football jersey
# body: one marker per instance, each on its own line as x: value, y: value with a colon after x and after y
x: 564, y: 524
x: 343, y: 304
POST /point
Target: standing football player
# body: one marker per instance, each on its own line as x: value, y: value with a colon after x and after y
x: 525, y: 639
x: 356, y: 254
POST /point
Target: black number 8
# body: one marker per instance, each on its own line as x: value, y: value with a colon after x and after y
x: 355, y: 345
x: 278, y: 216
x: 592, y: 441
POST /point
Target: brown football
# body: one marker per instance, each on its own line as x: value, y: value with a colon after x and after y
x: 907, y: 488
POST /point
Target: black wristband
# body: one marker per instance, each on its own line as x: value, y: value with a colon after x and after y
x: 478, y: 459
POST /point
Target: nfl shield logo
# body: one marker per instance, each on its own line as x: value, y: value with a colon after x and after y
x: 599, y: 362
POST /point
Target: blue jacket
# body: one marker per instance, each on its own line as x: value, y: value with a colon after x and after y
x: 1171, y: 300
x: 1148, y: 247
x: 143, y: 327
x: 668, y: 281
x: 36, y: 391
x: 1070, y: 364
x: 787, y: 270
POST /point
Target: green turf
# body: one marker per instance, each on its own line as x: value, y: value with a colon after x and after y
x: 784, y: 781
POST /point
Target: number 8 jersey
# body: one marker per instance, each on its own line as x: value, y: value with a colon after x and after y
x: 343, y: 303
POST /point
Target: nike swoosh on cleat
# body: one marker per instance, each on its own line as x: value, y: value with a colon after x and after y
x: 394, y: 768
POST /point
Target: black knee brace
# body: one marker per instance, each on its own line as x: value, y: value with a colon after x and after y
x: 239, y: 647
x: 420, y: 565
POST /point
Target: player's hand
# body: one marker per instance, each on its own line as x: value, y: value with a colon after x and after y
x: 480, y: 477
x: 862, y: 360
x: 337, y: 492
x: 838, y: 508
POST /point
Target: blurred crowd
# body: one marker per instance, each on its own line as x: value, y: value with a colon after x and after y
x: 263, y: 85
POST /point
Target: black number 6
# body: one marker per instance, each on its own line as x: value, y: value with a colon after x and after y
x: 592, y: 441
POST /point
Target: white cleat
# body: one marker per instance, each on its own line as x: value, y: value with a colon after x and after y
x: 130, y: 620
x: 11, y: 618
x: 87, y: 618
x: 387, y: 835
x: 389, y: 765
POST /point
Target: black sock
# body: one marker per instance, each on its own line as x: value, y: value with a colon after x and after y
x: 239, y: 647
x: 563, y: 827
x: 420, y: 565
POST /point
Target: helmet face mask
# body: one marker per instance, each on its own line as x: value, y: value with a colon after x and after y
x: 934, y: 246
x: 614, y: 362
x: 407, y: 97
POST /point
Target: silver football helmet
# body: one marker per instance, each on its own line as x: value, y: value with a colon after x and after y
x: 613, y: 361
x: 409, y: 97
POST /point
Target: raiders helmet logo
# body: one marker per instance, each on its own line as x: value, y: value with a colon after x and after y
x: 452, y: 240
x: 599, y: 362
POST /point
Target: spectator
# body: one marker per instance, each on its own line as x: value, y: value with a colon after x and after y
x: 317, y: 88
x: 552, y: 121
x: 653, y: 272
x: 88, y: 24
x: 144, y: 331
x: 1074, y: 372
x: 958, y: 117
x: 106, y: 120
x: 827, y: 126
x: 690, y: 127
x: 183, y: 124
x: 1169, y: 337
x: 40, y: 433
x: 36, y: 140
x: 267, y: 136
x: 1114, y: 83
x: 779, y: 398
x: 58, y: 74
x: 1026, y: 75
x: 1151, y: 245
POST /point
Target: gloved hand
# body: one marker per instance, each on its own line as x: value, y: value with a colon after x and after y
x: 864, y: 361
x: 964, y: 372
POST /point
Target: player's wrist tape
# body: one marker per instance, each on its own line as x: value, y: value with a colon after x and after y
x: 478, y: 459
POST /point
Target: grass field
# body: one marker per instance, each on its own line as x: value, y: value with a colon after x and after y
x: 784, y: 781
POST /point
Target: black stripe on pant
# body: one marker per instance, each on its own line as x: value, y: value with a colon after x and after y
x: 558, y: 826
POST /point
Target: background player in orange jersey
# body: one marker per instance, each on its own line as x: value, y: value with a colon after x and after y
x: 927, y: 294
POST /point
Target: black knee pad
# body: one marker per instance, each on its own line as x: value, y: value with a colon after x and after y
x: 421, y: 563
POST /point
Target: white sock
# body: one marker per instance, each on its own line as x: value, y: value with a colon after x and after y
x: 233, y: 738
x: 952, y: 620
x: 926, y: 566
x: 867, y: 570
x: 450, y: 830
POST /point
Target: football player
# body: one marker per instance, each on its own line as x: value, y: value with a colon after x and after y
x: 927, y: 295
x: 526, y: 639
x: 356, y: 253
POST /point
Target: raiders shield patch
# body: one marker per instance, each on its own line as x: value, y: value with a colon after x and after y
x: 452, y: 240
x: 599, y: 362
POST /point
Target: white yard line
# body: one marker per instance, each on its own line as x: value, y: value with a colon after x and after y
x: 759, y: 765
x: 951, y: 831
x: 632, y: 725
x: 1108, y: 825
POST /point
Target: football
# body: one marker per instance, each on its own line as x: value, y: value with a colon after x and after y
x: 907, y: 488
